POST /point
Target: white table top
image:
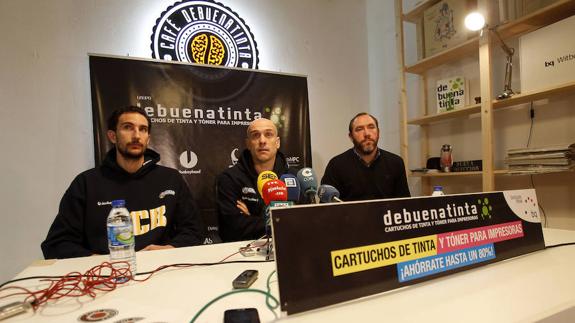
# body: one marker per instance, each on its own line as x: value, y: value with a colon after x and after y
x: 537, y: 286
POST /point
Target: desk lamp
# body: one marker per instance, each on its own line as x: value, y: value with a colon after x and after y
x: 474, y: 22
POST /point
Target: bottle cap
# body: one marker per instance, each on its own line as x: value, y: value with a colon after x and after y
x: 118, y: 203
x: 438, y: 188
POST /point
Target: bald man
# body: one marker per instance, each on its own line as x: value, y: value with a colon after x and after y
x: 240, y: 207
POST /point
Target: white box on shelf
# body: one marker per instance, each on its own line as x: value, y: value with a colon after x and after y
x: 547, y: 56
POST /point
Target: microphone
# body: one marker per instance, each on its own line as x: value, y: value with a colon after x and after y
x: 328, y: 194
x: 263, y: 177
x: 307, y: 180
x: 274, y: 193
x: 292, y: 186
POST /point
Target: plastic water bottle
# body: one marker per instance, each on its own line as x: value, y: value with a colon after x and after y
x: 437, y: 190
x: 121, y: 237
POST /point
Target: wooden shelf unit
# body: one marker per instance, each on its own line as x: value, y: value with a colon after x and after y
x: 482, y: 47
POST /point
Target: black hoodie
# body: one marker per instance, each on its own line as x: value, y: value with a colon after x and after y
x: 157, y: 197
x: 240, y: 183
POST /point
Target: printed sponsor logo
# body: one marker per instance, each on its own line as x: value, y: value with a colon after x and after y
x: 167, y: 192
x: 188, y: 159
x: 405, y: 219
x: 204, y: 32
x: 293, y: 160
x: 104, y: 203
x: 248, y: 190
x: 234, y: 157
x: 147, y: 220
x: 290, y: 182
x: 220, y: 116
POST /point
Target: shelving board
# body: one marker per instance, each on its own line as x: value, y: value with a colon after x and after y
x: 540, y: 18
x: 465, y: 111
x: 468, y: 47
x: 550, y: 92
x: 441, y: 174
x: 567, y: 88
x: 477, y: 173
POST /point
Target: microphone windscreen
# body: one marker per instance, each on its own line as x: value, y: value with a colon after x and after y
x: 263, y: 177
x: 292, y: 186
x: 327, y: 193
x: 274, y: 190
x: 307, y: 180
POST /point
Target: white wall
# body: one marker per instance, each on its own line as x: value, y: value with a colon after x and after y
x: 45, y: 106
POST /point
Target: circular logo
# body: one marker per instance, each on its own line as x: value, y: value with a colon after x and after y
x: 188, y: 159
x: 204, y: 32
x: 98, y: 315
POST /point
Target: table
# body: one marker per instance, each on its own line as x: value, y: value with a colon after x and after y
x: 536, y: 287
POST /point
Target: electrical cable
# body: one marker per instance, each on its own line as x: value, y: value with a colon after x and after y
x: 532, y: 116
x: 75, y: 284
x: 267, y: 293
x: 182, y: 265
x: 103, y: 277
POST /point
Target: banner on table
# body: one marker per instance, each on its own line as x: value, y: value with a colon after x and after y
x: 330, y: 253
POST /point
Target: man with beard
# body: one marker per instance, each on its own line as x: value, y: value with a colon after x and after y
x: 365, y: 171
x: 160, y: 202
x: 240, y: 207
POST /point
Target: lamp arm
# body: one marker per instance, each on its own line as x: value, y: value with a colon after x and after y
x: 508, y: 50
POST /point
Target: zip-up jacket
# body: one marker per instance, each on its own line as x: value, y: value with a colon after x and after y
x: 240, y: 183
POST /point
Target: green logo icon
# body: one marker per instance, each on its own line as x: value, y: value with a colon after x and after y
x: 456, y: 84
x: 485, y: 208
x: 276, y: 116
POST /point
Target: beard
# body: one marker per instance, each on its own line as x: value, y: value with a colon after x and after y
x: 365, y: 147
x: 130, y: 155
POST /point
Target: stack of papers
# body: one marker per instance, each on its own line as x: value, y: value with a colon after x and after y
x: 549, y: 159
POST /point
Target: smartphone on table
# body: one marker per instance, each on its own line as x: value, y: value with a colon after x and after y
x: 241, y: 315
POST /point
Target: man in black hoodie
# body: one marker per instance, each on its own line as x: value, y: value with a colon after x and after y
x: 159, y: 200
x: 240, y: 207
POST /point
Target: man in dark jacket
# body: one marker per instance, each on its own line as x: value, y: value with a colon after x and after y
x: 365, y: 171
x: 159, y: 200
x: 240, y: 208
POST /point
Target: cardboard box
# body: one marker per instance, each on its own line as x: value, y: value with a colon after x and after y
x: 547, y: 56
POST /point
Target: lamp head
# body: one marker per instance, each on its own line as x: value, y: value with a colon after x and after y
x: 474, y: 21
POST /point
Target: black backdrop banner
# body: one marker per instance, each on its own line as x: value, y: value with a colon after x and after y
x: 200, y: 114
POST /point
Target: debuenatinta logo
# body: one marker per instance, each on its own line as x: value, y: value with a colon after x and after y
x: 204, y: 32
